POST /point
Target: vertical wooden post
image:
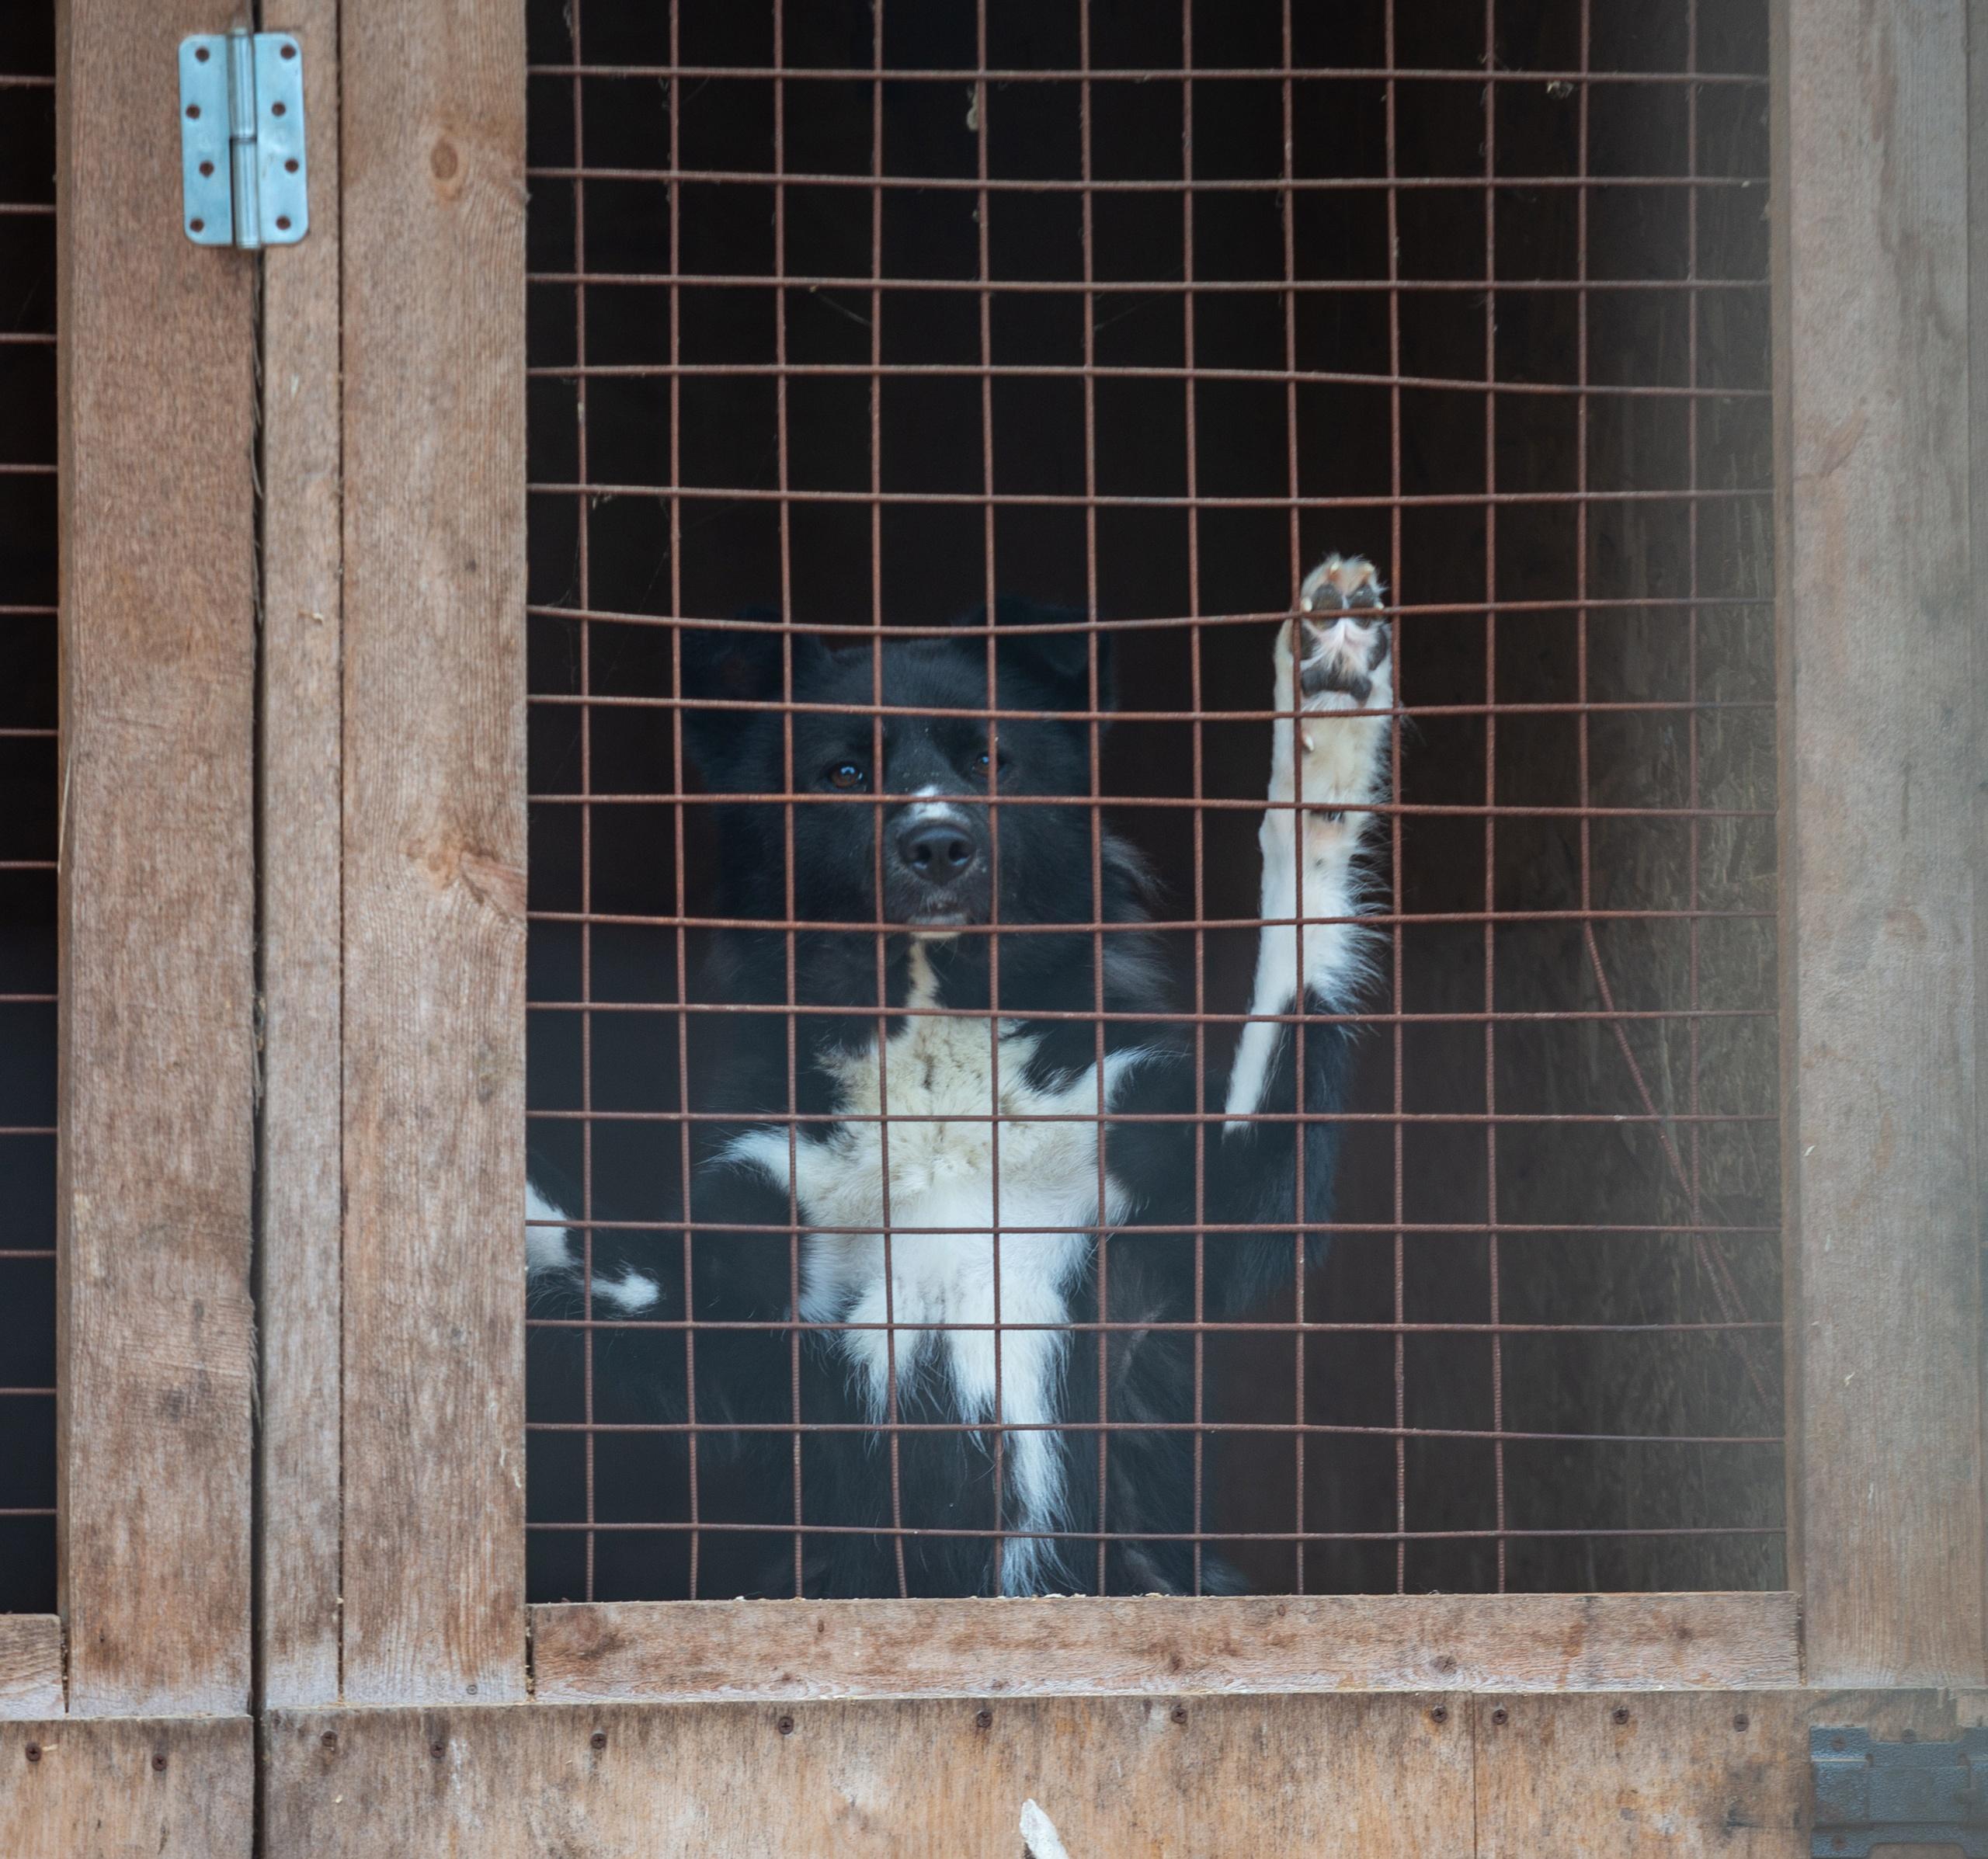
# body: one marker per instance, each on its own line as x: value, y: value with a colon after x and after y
x: 1977, y: 324
x: 157, y: 1039
x: 1879, y: 773
x: 302, y: 944
x: 432, y: 94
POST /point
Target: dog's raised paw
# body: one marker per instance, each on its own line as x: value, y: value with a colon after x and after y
x: 1337, y: 651
x: 1334, y: 655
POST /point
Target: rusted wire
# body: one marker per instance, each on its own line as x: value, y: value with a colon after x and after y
x: 1480, y: 1108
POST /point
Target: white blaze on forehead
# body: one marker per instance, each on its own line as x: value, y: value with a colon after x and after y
x: 923, y: 806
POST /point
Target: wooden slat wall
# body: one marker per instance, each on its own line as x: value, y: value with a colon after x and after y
x: 122, y: 1788
x: 157, y: 1059
x: 1200, y: 1777
x: 303, y: 951
x: 434, y: 827
x: 1879, y: 772
x: 712, y: 1650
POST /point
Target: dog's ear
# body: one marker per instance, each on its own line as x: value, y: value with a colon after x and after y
x: 732, y: 666
x: 1060, y: 660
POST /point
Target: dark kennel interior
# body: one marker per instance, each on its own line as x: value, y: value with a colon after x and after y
x: 27, y: 809
x: 1157, y: 305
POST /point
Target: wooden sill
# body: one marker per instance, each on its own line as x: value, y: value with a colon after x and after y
x: 713, y: 1650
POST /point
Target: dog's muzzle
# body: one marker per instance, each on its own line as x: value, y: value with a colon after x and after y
x: 937, y: 866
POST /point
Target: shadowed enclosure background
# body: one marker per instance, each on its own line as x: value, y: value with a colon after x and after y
x: 853, y: 313
x: 27, y: 808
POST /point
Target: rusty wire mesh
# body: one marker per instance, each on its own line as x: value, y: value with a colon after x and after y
x: 27, y: 811
x: 868, y: 314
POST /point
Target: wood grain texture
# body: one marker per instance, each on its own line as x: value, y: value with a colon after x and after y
x: 711, y: 1650
x: 302, y: 952
x: 157, y: 1060
x: 31, y: 1665
x: 127, y: 1788
x: 1977, y: 324
x: 434, y: 343
x: 1199, y: 1777
x: 1675, y: 1775
x: 1879, y: 771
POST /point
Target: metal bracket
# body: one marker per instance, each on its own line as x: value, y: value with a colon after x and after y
x: 1870, y: 1794
x: 243, y: 178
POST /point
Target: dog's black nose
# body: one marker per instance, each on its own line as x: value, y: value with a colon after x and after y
x: 938, y: 851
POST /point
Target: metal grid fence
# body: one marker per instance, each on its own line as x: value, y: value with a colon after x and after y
x: 27, y: 811
x: 869, y: 315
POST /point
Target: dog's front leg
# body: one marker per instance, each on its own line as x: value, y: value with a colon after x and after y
x: 1332, y: 658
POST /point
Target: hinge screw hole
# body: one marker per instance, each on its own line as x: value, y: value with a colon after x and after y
x: 192, y: 109
x: 196, y: 225
x: 289, y: 167
x: 277, y: 109
x: 289, y: 51
x: 282, y: 222
x: 200, y: 54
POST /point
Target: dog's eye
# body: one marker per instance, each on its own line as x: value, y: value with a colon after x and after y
x: 980, y: 762
x: 844, y: 774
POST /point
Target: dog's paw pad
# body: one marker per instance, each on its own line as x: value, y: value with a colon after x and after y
x: 1336, y: 652
x: 1338, y: 581
x: 1335, y: 656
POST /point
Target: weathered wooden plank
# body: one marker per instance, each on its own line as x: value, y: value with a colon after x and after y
x: 1977, y: 320
x: 711, y: 1650
x: 31, y: 1665
x: 1675, y: 1774
x: 127, y: 1788
x: 1879, y: 772
x: 433, y: 340
x: 157, y: 1043
x: 1200, y: 1777
x: 303, y: 955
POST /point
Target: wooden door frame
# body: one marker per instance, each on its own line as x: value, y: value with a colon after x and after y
x: 390, y: 1458
x: 403, y: 1494
x: 1885, y: 1492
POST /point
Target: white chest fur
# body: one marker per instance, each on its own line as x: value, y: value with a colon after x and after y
x: 988, y: 1210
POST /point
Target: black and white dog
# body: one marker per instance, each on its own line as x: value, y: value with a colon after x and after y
x: 954, y: 1254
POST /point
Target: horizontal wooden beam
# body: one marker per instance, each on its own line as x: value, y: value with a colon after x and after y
x: 1499, y: 1774
x: 713, y: 1650
x: 1208, y: 1776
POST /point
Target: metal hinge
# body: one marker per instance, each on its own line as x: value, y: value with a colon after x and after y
x: 1870, y: 1794
x: 243, y: 178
